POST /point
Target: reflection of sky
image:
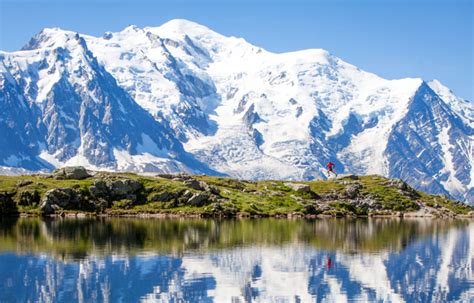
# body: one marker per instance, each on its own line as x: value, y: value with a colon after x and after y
x: 437, y: 268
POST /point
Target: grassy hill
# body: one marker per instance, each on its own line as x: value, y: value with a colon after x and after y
x: 103, y: 193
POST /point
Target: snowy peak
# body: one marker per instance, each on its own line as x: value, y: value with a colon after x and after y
x: 464, y: 108
x: 51, y: 38
x: 184, y: 27
x: 183, y: 97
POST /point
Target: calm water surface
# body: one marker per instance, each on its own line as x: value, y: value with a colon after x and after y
x: 264, y: 260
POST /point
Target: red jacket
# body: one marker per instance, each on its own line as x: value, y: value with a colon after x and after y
x: 330, y: 165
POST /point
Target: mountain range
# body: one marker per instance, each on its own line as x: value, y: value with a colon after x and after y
x: 181, y: 97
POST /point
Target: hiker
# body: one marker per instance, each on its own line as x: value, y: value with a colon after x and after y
x: 330, y: 167
x: 329, y: 262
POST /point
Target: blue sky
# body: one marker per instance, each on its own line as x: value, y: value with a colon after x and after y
x: 431, y: 39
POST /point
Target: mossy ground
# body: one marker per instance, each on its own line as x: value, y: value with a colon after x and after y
x: 262, y: 198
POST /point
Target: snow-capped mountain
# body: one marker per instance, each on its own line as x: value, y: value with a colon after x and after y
x: 432, y: 267
x: 182, y: 97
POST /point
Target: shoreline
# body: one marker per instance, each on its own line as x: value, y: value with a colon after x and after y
x: 76, y: 192
x: 161, y: 215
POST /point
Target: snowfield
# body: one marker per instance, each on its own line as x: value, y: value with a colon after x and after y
x: 181, y: 97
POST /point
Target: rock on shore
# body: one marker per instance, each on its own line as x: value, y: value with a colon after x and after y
x: 78, y: 190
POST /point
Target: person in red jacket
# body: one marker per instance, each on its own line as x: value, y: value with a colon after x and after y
x: 330, y: 167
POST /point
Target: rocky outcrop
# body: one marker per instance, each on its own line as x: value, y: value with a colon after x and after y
x: 72, y: 172
x: 125, y: 193
x: 116, y: 189
x: 122, y: 188
x: 59, y: 199
x: 23, y: 183
x: 7, y: 205
x: 99, y: 189
x: 347, y: 176
x: 304, y: 188
x: 194, y: 184
x: 163, y: 197
x: 198, y: 199
x: 403, y: 188
x: 29, y: 198
x: 352, y: 190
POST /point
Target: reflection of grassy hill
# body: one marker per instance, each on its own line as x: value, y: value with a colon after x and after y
x: 217, y: 196
x: 71, y: 238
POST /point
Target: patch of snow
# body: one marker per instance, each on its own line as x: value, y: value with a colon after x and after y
x: 51, y: 159
x: 148, y: 146
x: 365, y: 152
x: 14, y: 171
x: 146, y: 163
x: 464, y: 108
x: 452, y: 184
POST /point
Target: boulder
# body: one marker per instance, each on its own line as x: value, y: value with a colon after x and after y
x: 369, y: 203
x: 29, y: 198
x: 121, y: 188
x: 311, y: 209
x: 187, y: 194
x: 352, y: 190
x: 209, y: 188
x: 182, y: 177
x: 403, y: 188
x: 7, y: 205
x: 347, y: 176
x: 99, y: 189
x: 166, y: 176
x: 198, y: 199
x: 59, y: 198
x: 400, y: 184
x: 162, y: 197
x: 194, y: 184
x: 71, y: 172
x: 23, y: 183
x: 304, y: 188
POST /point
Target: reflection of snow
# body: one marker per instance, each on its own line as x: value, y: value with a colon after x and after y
x: 446, y: 259
x: 437, y: 268
x: 283, y: 273
x: 269, y: 272
x: 370, y: 271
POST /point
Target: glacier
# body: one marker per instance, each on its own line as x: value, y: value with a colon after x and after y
x: 181, y: 97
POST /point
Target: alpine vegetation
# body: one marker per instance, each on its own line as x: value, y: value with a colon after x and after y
x: 183, y: 98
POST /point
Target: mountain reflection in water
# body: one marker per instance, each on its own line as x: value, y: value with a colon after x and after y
x: 261, y: 260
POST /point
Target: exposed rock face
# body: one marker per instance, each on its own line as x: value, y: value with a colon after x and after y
x: 23, y: 183
x: 99, y: 189
x: 347, y: 176
x: 72, y: 172
x: 123, y: 187
x: 368, y: 203
x: 166, y: 176
x: 199, y: 199
x: 59, y: 198
x: 209, y: 188
x: 163, y: 197
x: 299, y: 187
x: 7, y: 205
x: 29, y: 198
x: 116, y: 189
x: 201, y: 185
x: 403, y: 188
x: 96, y: 99
x: 353, y: 190
x: 194, y: 184
x: 114, y: 193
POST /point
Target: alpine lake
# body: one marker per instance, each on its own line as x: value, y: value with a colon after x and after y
x: 236, y: 260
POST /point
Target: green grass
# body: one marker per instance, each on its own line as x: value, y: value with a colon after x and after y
x: 390, y: 197
x: 262, y: 198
